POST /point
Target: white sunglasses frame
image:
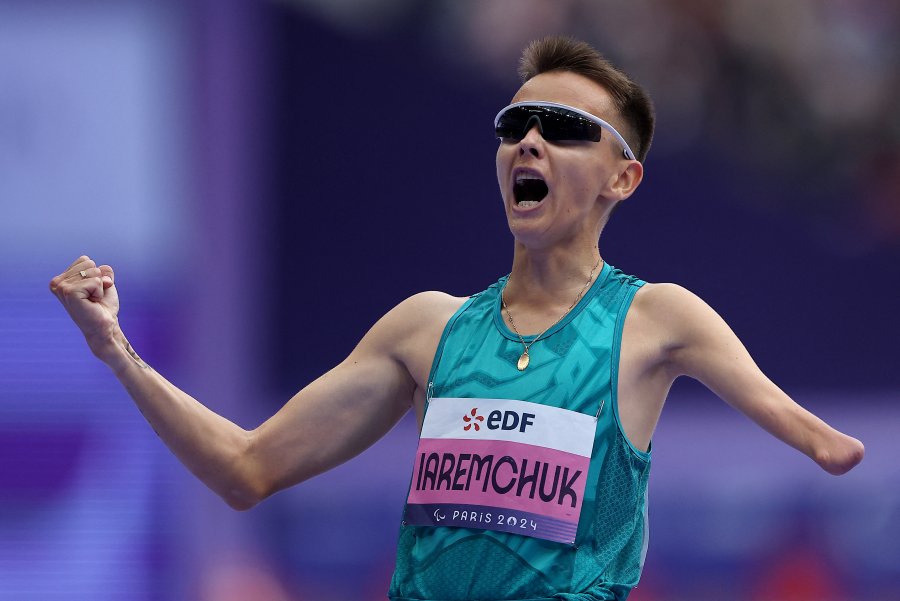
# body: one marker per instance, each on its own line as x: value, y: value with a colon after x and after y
x: 540, y: 103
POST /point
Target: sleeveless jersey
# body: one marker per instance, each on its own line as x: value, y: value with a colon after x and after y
x: 574, y: 365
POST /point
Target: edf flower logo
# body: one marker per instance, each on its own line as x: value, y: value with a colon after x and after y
x: 473, y: 420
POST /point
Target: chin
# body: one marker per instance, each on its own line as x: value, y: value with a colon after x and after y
x: 528, y: 235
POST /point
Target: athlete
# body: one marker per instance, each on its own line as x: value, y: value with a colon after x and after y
x: 537, y: 398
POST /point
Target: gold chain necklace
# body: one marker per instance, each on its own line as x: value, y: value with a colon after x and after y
x: 524, y: 358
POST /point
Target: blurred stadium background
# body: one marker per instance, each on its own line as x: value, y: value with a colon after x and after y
x: 270, y: 177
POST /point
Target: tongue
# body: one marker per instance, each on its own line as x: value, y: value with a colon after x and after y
x: 530, y: 191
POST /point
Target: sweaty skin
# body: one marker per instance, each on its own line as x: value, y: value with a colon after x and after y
x: 669, y: 332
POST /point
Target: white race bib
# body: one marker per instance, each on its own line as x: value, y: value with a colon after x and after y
x: 499, y: 464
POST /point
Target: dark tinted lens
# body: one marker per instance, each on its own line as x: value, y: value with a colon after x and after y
x: 562, y: 124
x: 512, y: 123
x: 556, y: 124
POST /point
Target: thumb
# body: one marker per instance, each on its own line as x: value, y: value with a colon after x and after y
x: 107, y: 276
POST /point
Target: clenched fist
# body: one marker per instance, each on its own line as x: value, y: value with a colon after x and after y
x: 88, y: 293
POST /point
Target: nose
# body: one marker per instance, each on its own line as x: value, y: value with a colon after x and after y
x: 533, y: 142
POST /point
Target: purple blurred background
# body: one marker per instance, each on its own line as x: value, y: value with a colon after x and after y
x: 268, y: 178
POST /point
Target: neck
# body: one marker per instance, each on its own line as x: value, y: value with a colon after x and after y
x: 550, y: 277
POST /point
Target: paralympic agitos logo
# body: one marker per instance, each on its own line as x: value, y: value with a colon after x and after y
x: 498, y: 420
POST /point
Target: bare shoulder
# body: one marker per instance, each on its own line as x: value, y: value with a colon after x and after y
x: 417, y: 322
x: 665, y: 303
x: 426, y: 309
x: 411, y: 330
x: 427, y: 303
x: 665, y: 296
x: 672, y: 313
x: 409, y: 323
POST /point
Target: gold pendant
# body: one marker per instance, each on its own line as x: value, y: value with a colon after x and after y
x: 523, y: 361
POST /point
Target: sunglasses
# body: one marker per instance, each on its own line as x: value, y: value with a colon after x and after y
x: 556, y: 122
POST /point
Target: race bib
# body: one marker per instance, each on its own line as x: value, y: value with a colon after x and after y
x: 505, y: 465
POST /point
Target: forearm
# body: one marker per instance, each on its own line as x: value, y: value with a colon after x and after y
x: 834, y: 451
x: 740, y: 383
x: 211, y: 447
x: 776, y: 412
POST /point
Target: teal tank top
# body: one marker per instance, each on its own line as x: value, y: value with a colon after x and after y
x: 574, y: 365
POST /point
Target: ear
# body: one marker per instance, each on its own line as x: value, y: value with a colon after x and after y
x: 627, y: 179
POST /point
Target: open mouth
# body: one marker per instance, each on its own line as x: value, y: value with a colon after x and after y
x: 529, y: 190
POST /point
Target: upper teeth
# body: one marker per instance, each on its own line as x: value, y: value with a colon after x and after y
x: 524, y: 176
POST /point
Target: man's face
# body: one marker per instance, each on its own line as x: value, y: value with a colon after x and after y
x: 576, y: 175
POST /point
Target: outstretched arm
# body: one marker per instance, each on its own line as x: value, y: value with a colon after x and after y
x: 702, y: 346
x: 331, y: 420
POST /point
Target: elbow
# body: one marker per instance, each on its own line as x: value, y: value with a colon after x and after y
x: 246, y: 487
x: 243, y: 496
x: 240, y: 502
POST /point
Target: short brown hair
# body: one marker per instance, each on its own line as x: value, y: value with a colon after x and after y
x: 568, y: 54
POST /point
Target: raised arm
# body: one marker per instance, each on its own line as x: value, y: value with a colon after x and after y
x: 701, y: 345
x: 331, y: 420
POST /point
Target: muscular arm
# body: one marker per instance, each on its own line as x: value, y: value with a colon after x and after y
x: 700, y: 344
x: 330, y: 421
x: 333, y: 419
